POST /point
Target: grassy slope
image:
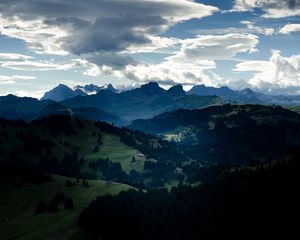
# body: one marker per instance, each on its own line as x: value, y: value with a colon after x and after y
x: 295, y: 109
x: 118, y: 152
x: 111, y: 147
x: 17, y: 204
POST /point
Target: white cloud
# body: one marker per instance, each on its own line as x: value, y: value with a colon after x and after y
x: 192, y: 64
x: 289, y: 28
x: 34, y: 94
x: 38, y: 36
x: 272, y: 8
x: 277, y: 73
x: 4, y: 80
x: 157, y: 44
x: 216, y: 47
x: 13, y: 57
x: 257, y: 29
x: 36, y: 66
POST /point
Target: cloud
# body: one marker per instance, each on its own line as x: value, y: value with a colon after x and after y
x: 192, y: 64
x: 39, y: 37
x: 116, y: 61
x: 36, y: 66
x: 85, y: 27
x: 290, y: 28
x: 4, y: 80
x: 272, y: 8
x: 34, y: 94
x: 216, y: 47
x: 277, y: 73
x: 13, y: 57
x: 259, y: 30
x: 22, y: 62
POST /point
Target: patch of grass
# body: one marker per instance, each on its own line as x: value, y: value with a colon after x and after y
x: 295, y: 109
x: 117, y: 151
x: 111, y: 148
x: 84, y: 141
x: 18, y: 203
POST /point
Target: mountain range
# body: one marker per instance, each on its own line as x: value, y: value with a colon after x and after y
x: 62, y: 92
x: 245, y: 96
x: 144, y: 102
x: 106, y: 105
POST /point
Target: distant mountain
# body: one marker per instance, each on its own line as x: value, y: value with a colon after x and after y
x: 62, y: 92
x: 245, y: 96
x: 13, y: 107
x: 93, y: 89
x: 144, y: 102
x: 111, y: 88
x: 229, y: 133
x: 84, y: 113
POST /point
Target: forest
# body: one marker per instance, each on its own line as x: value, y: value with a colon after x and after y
x: 242, y: 204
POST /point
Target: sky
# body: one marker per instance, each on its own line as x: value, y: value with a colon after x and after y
x: 235, y: 43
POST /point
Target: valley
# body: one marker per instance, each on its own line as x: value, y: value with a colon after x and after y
x: 66, y: 175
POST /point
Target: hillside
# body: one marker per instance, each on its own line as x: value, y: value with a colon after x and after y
x: 18, y: 219
x: 88, y: 113
x: 295, y: 109
x: 249, y: 204
x: 48, y: 162
x: 85, y: 149
x: 45, y: 158
x: 228, y: 133
x: 28, y: 109
x: 13, y: 107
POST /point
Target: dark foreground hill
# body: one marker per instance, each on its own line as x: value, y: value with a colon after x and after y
x: 248, y: 189
x: 79, y: 148
x: 228, y: 133
x: 259, y: 203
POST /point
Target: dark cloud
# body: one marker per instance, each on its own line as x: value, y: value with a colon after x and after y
x: 293, y: 3
x: 104, y: 28
x: 115, y: 61
x: 112, y: 33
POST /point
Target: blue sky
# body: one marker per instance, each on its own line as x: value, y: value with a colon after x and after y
x: 240, y: 43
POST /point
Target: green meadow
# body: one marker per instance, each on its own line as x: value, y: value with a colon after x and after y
x: 18, y: 203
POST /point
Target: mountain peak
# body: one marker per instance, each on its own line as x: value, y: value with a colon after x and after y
x: 151, y: 87
x: 63, y: 86
x: 62, y: 92
x: 89, y: 88
x: 247, y: 91
x: 176, y: 90
x: 110, y: 87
